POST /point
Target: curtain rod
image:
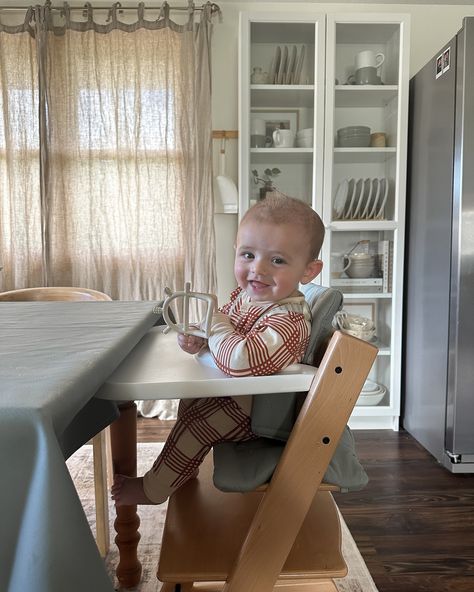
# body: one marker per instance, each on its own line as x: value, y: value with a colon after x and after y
x: 214, y: 7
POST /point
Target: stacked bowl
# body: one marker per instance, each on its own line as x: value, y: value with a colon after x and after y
x: 304, y: 138
x: 355, y: 325
x: 353, y: 136
x: 372, y: 393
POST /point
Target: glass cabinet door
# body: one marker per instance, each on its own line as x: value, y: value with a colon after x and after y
x: 282, y: 86
x: 364, y: 189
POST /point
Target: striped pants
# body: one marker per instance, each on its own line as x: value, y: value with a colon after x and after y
x: 201, y: 424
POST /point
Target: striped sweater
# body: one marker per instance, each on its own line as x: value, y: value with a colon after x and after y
x: 259, y: 338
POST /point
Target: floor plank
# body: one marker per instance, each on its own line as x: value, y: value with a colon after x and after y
x: 413, y: 523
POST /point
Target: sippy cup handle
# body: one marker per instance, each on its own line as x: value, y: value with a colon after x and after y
x: 183, y: 327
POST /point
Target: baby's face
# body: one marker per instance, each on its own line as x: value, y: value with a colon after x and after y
x: 272, y: 259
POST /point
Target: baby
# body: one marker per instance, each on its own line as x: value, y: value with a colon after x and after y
x: 263, y: 329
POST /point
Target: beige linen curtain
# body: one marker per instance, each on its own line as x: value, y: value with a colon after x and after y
x: 105, y: 151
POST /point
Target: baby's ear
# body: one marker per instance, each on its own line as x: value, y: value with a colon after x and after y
x: 313, y: 269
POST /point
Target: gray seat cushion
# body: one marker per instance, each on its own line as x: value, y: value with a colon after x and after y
x: 243, y: 466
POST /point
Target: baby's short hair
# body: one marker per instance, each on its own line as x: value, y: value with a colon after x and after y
x: 280, y: 209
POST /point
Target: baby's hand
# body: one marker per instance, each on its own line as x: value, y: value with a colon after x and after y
x: 191, y: 343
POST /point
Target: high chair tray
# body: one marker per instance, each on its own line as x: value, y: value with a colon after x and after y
x: 157, y: 368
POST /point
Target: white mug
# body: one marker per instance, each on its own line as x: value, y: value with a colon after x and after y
x: 369, y: 59
x: 283, y: 138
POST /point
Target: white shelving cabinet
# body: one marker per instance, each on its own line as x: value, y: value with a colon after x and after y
x: 383, y: 108
x: 324, y: 100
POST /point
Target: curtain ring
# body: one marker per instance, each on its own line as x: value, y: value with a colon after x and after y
x: 141, y: 11
x: 164, y: 12
x: 112, y: 15
x: 87, y: 11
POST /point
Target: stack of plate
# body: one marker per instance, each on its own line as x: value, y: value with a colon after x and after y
x: 371, y: 394
x: 361, y: 199
x: 304, y: 138
x: 353, y: 136
x: 286, y: 65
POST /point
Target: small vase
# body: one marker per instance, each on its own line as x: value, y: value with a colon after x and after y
x: 265, y: 190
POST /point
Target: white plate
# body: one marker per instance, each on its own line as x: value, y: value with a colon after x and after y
x: 290, y: 73
x: 364, y: 196
x: 374, y: 206
x: 356, y: 185
x: 300, y: 65
x: 275, y: 66
x: 283, y: 62
x: 380, y: 213
x: 373, y: 199
x: 359, y: 198
x: 340, y: 198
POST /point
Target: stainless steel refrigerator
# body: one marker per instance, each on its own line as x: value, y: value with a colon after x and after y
x: 438, y: 398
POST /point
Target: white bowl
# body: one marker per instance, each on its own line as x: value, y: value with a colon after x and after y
x: 305, y: 132
x: 366, y: 399
x: 304, y: 142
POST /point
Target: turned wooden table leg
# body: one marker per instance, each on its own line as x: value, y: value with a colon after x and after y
x: 123, y: 434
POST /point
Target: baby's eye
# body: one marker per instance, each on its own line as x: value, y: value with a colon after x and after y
x: 278, y: 261
x: 247, y: 255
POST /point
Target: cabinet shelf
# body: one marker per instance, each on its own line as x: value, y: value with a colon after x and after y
x: 363, y: 225
x: 282, y: 95
x: 364, y: 95
x: 281, y: 155
x: 366, y: 295
x: 362, y: 155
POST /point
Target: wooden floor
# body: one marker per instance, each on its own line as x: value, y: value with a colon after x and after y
x: 414, y: 522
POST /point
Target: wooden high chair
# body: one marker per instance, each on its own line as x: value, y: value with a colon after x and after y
x: 246, y: 542
x: 285, y: 536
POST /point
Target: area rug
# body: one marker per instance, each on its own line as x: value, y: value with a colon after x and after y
x: 152, y: 519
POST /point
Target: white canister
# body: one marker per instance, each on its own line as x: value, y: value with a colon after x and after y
x: 257, y: 126
x: 257, y: 132
x: 369, y: 59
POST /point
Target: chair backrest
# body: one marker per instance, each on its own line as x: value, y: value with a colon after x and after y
x: 304, y: 461
x: 52, y: 294
x: 249, y: 540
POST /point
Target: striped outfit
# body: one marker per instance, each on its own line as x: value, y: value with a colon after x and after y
x: 247, y: 339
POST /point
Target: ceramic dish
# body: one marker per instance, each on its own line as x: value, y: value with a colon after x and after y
x: 275, y: 66
x: 299, y: 66
x: 290, y: 74
x: 374, y: 398
x: 381, y: 210
x: 371, y: 387
x: 340, y: 198
x: 364, y: 197
x: 282, y: 70
x: 357, y: 189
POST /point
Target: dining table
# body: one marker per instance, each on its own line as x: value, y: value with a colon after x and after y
x: 54, y: 357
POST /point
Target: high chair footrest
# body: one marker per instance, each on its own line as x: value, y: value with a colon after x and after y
x: 211, y: 526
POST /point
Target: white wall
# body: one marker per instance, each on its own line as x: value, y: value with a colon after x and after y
x: 431, y: 26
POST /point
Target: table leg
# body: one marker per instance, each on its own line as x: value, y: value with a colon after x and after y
x: 123, y: 434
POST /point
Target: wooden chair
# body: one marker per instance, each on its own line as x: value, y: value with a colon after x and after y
x: 100, y: 442
x: 285, y: 536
